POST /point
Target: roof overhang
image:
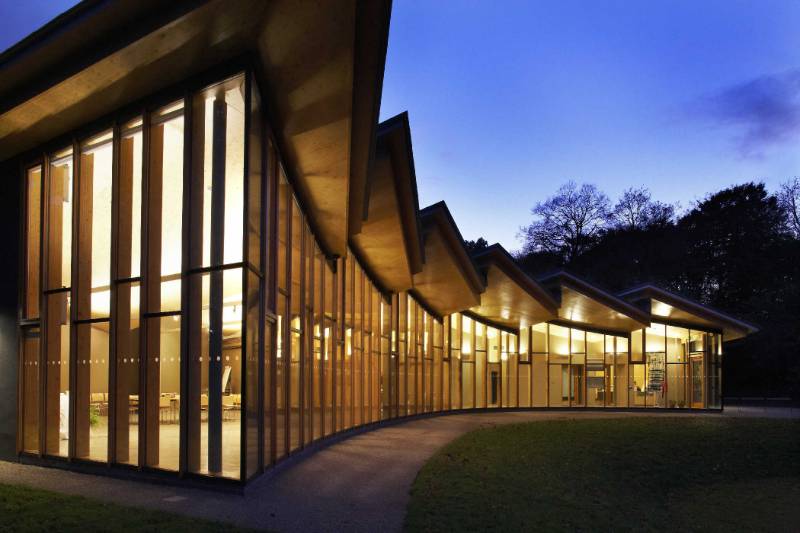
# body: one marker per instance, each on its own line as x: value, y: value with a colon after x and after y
x: 511, y: 298
x: 668, y: 307
x: 320, y: 67
x: 449, y: 281
x: 389, y: 238
x: 589, y: 306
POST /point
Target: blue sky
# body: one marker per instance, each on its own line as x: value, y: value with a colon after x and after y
x: 508, y: 100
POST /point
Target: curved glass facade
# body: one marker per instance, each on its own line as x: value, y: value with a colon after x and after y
x: 179, y: 313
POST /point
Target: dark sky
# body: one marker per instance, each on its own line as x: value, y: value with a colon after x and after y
x: 510, y: 99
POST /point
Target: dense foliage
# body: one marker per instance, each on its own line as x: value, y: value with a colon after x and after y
x: 736, y: 251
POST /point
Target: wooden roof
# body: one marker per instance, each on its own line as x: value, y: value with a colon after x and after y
x: 511, y: 298
x: 449, y: 281
x: 666, y: 306
x: 587, y: 305
x: 389, y: 238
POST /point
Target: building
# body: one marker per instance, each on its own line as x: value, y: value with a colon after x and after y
x: 215, y: 255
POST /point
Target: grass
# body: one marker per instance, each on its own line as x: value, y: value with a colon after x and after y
x: 642, y: 474
x: 27, y: 509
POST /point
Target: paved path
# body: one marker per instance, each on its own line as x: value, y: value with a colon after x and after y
x: 358, y: 484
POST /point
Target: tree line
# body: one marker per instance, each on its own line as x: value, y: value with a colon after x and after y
x: 737, y: 250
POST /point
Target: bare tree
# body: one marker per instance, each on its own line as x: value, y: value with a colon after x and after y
x: 568, y: 222
x: 789, y: 200
x: 636, y: 209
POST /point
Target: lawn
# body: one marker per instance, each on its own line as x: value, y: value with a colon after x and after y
x: 26, y: 509
x: 677, y: 474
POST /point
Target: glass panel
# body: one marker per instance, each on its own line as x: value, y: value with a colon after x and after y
x: 129, y: 208
x: 30, y: 390
x: 164, y: 205
x: 493, y: 344
x: 309, y: 378
x: 251, y: 358
x: 377, y: 354
x: 296, y: 325
x: 595, y: 369
x: 539, y: 338
x: 473, y: 357
x: 482, y: 340
x: 56, y: 359
x: 610, y: 378
x: 558, y: 370
x: 215, y: 373
x: 91, y: 399
x: 621, y: 372
x: 357, y: 358
x: 637, y: 387
x: 33, y: 208
x: 328, y: 347
x: 510, y: 371
x: 655, y: 345
x: 714, y: 357
x: 540, y: 379
x: 255, y: 169
x: 163, y: 336
x: 127, y: 361
x: 578, y: 343
x: 455, y: 360
x: 340, y: 348
x: 318, y: 355
x: 93, y: 294
x: 677, y: 345
x: 676, y: 385
x: 656, y: 379
x: 386, y: 393
x: 402, y: 317
x: 524, y: 335
x: 467, y: 384
x: 268, y: 389
x: 654, y: 342
x: 218, y: 153
x: 59, y: 229
x: 637, y: 355
x: 280, y: 377
x: 524, y: 371
x: 284, y: 203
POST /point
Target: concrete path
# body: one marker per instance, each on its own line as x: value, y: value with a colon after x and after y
x: 358, y: 484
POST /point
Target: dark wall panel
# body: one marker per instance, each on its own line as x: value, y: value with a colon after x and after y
x: 9, y: 266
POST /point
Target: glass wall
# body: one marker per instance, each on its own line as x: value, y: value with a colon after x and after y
x: 179, y: 313
x: 681, y: 368
x: 152, y: 288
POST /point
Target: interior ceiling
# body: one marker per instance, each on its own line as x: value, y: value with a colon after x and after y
x: 505, y: 302
x: 582, y: 309
x: 659, y: 308
x: 320, y: 93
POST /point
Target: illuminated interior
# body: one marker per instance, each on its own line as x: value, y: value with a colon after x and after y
x: 179, y: 312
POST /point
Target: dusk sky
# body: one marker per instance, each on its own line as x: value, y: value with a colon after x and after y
x: 508, y: 100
